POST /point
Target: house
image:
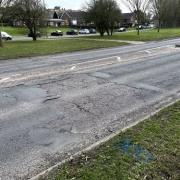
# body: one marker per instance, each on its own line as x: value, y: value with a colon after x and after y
x: 58, y: 17
x: 128, y: 19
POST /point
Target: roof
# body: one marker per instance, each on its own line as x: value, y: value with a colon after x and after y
x: 127, y: 15
x: 73, y: 14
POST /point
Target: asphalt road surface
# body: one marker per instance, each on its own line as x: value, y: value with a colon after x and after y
x: 54, y: 106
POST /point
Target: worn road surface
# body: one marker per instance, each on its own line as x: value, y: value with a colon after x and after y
x: 54, y: 106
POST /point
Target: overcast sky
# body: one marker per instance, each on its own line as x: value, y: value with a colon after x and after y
x: 74, y: 4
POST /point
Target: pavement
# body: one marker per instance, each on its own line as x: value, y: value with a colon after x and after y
x: 54, y: 106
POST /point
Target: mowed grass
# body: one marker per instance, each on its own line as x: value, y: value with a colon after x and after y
x: 23, y: 31
x: 19, y: 49
x: 145, y: 35
x: 153, y: 154
x: 19, y: 31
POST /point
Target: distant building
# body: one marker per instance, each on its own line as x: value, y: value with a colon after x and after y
x: 58, y: 17
x: 128, y: 19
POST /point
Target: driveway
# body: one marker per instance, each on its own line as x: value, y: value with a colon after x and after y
x: 54, y: 106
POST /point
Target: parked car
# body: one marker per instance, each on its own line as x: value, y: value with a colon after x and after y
x: 72, y: 32
x: 57, y: 33
x: 141, y: 27
x: 122, y: 29
x: 151, y: 26
x: 84, y: 31
x: 38, y: 34
x: 92, y: 31
x: 5, y: 36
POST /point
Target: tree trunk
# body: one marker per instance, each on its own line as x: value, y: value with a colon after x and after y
x: 34, y: 37
x: 112, y: 31
x: 101, y: 31
x: 159, y: 24
x: 107, y: 30
x: 1, y: 43
x: 34, y: 34
x: 138, y: 23
x: 138, y: 28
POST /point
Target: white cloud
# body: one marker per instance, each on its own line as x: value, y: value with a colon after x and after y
x: 74, y: 4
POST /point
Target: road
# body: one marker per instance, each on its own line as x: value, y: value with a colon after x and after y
x: 26, y: 38
x: 54, y: 106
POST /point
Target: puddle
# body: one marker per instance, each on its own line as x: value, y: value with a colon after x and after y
x: 141, y: 154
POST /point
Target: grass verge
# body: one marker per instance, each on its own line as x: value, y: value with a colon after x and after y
x: 150, y: 150
x: 23, y: 31
x: 147, y: 35
x: 45, y: 47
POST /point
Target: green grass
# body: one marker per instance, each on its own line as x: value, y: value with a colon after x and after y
x: 147, y: 35
x: 22, y: 31
x: 51, y: 29
x: 15, y: 31
x: 45, y: 47
x: 159, y: 136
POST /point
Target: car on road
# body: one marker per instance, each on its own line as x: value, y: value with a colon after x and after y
x: 142, y: 27
x: 92, y: 31
x: 151, y: 26
x: 72, y: 32
x: 6, y: 36
x: 57, y: 33
x: 84, y: 31
x: 122, y: 29
x: 38, y: 34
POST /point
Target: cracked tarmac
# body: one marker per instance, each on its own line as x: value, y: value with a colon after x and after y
x: 49, y: 111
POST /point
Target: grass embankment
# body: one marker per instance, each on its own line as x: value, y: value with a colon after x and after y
x: 145, y: 35
x: 45, y: 47
x: 150, y: 150
x: 23, y: 31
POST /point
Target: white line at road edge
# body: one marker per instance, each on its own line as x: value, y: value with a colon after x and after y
x: 4, y: 79
x: 101, y: 141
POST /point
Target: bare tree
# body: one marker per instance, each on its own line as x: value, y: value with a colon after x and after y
x: 158, y: 8
x: 31, y: 13
x: 3, y: 4
x: 105, y: 14
x: 138, y: 7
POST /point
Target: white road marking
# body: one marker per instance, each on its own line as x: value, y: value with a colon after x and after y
x: 78, y: 66
x: 4, y: 80
x: 149, y: 52
x: 74, y: 67
x: 119, y: 59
